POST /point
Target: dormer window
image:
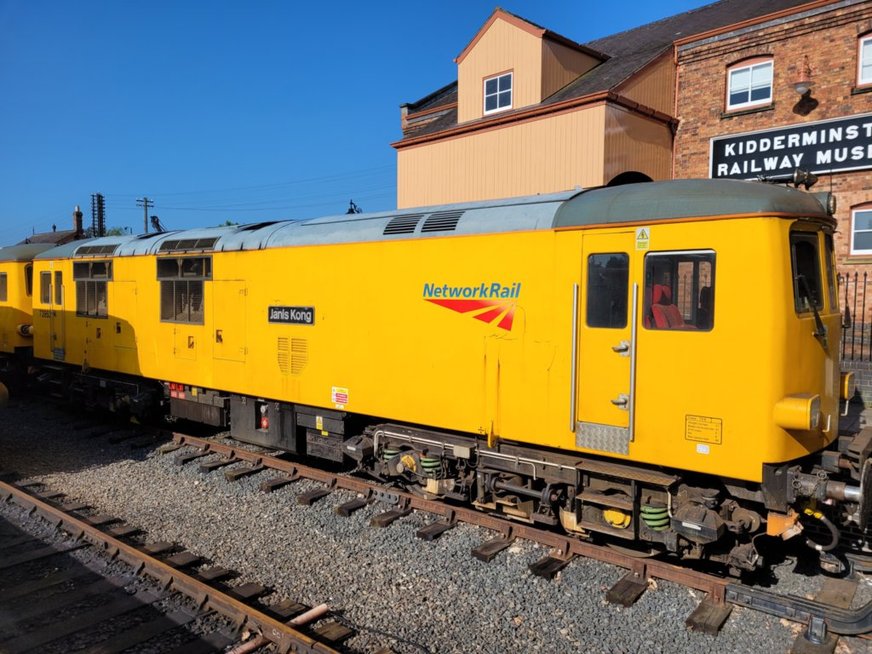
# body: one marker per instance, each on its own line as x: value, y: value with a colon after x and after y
x: 498, y: 93
x: 749, y: 84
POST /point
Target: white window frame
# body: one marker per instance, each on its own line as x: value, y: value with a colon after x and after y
x: 864, y: 44
x: 864, y: 208
x: 750, y: 66
x: 485, y: 95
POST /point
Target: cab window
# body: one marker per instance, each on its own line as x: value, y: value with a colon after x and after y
x: 58, y: 288
x: 45, y: 287
x: 807, y: 287
x: 28, y: 280
x: 607, y: 283
x: 679, y: 290
x: 3, y: 287
x: 831, y: 272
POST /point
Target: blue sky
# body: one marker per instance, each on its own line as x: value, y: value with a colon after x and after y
x: 247, y: 111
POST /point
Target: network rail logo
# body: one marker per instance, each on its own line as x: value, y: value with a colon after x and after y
x: 493, y: 303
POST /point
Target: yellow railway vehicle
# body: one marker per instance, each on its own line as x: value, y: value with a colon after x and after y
x: 16, y: 313
x: 16, y: 284
x: 652, y: 363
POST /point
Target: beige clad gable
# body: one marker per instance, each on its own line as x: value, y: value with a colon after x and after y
x: 540, y: 61
x: 561, y: 65
x: 501, y: 48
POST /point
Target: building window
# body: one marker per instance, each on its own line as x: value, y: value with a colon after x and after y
x: 498, y: 93
x: 181, y: 288
x: 861, y: 230
x: 749, y: 85
x: 3, y: 289
x: 864, y: 74
x: 92, y: 299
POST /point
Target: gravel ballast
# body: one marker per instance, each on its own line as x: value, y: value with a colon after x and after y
x: 393, y: 588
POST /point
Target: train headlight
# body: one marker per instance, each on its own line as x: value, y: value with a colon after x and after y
x: 801, y: 411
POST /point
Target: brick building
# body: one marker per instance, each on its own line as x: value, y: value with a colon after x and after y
x: 789, y: 90
x: 709, y: 92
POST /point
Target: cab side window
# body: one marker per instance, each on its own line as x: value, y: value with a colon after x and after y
x: 181, y: 288
x: 45, y: 287
x: 679, y: 290
x: 92, y: 298
x: 3, y: 287
x: 807, y: 287
x: 607, y: 283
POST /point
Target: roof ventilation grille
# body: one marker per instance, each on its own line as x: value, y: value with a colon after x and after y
x: 441, y: 221
x: 95, y: 250
x: 188, y: 244
x: 253, y: 227
x: 404, y: 224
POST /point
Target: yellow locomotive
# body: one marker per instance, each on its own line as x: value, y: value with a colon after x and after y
x: 653, y: 363
x: 16, y: 324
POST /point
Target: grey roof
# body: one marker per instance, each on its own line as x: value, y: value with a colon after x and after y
x: 631, y: 203
x: 24, y: 252
x: 95, y: 247
x: 629, y: 52
x: 685, y: 198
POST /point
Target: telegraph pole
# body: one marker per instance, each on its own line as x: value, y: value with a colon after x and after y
x: 146, y: 204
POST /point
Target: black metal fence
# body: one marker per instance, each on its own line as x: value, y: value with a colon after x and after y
x: 856, y: 337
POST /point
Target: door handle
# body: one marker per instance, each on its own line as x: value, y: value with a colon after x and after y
x: 621, y: 348
x: 621, y: 401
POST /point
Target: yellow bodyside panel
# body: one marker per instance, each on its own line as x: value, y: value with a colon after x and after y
x: 398, y: 354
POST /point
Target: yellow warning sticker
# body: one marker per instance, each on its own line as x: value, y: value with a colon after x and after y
x: 703, y: 429
x: 319, y: 423
x: 643, y: 238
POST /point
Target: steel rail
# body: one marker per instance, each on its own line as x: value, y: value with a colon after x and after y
x: 285, y: 637
x: 720, y: 591
x: 563, y: 545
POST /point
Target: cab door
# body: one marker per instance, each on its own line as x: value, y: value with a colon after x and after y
x: 230, y: 316
x: 607, y: 310
x: 53, y: 287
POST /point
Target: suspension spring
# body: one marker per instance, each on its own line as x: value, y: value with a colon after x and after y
x: 656, y: 518
x: 431, y: 465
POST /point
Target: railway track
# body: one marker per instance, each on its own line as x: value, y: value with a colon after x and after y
x: 821, y: 619
x: 825, y: 618
x: 127, y: 596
